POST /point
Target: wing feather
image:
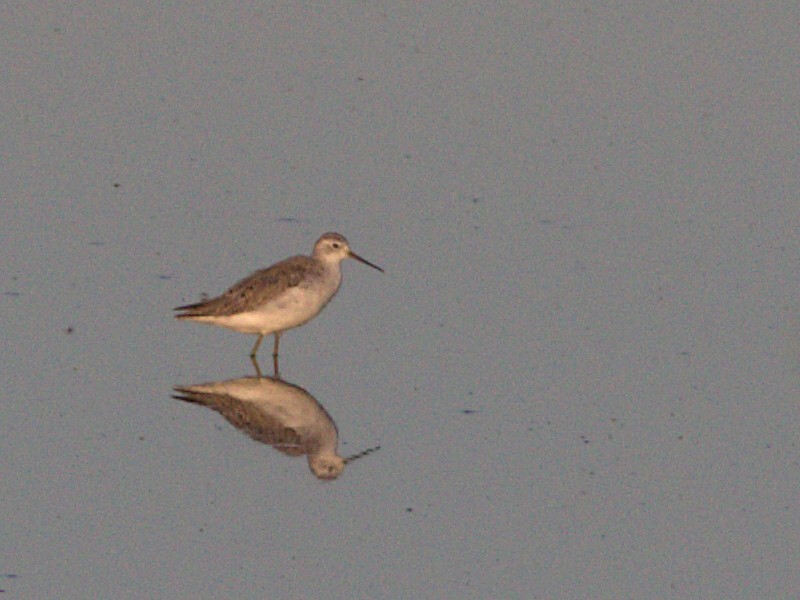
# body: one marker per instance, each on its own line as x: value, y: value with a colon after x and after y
x: 255, y: 289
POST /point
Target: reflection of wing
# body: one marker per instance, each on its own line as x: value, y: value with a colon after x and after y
x: 285, y: 439
x: 256, y: 423
x: 291, y: 444
x: 255, y: 290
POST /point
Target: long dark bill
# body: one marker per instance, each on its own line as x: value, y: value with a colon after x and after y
x: 365, y: 261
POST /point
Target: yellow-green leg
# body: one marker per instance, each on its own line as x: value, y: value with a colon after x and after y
x: 257, y: 367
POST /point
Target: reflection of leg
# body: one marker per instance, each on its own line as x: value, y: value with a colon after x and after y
x: 275, y: 355
x: 258, y: 368
x: 255, y: 348
x: 275, y: 347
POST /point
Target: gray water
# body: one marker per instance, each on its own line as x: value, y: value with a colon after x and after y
x: 581, y: 364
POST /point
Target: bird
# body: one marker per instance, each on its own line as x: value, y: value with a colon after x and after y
x: 285, y: 295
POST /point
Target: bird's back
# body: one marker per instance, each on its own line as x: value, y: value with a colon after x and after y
x: 256, y: 289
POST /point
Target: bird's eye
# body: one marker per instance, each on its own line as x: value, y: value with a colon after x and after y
x: 336, y: 245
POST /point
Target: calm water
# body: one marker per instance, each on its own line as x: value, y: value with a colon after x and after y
x: 581, y: 365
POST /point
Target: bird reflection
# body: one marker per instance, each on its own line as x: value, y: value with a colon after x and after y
x: 277, y: 413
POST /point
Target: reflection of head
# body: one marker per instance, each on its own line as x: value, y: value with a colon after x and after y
x: 326, y: 466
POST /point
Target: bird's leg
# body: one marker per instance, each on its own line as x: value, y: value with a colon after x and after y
x: 258, y: 368
x: 275, y: 355
x: 255, y: 348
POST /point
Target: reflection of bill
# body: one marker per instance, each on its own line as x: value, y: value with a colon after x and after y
x: 277, y: 413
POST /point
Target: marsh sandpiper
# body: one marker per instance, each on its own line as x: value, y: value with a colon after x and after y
x: 283, y: 296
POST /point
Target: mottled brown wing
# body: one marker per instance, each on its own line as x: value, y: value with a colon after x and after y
x: 254, y: 290
x: 247, y: 418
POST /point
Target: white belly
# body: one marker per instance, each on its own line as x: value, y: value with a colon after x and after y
x: 291, y: 309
